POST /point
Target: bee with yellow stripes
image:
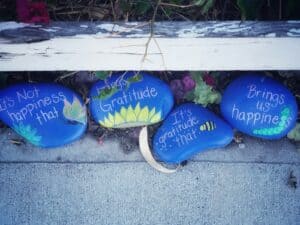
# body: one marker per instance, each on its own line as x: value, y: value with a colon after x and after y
x: 208, y: 126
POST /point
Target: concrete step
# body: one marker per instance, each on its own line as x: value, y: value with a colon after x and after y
x: 88, y: 183
x: 133, y: 193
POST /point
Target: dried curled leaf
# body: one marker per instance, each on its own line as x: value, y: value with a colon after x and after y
x: 146, y: 152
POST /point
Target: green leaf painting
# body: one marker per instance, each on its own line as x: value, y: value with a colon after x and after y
x: 136, y: 78
x: 109, y: 91
x: 106, y: 92
x: 75, y: 111
x: 29, y: 133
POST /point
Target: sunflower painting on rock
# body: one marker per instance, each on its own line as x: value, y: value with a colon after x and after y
x: 131, y: 117
x: 130, y: 99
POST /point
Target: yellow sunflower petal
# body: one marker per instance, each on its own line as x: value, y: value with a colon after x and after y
x: 111, y: 118
x: 130, y: 117
x: 156, y: 118
x: 106, y: 123
x: 152, y: 112
x: 144, y: 115
x: 101, y: 123
x: 137, y: 110
x: 123, y: 112
x: 118, y: 119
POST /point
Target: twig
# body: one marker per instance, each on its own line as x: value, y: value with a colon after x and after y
x: 182, y: 16
x: 17, y: 141
x: 112, y: 32
x: 151, y: 30
x: 164, y: 11
x: 160, y: 52
x: 280, y: 9
x: 224, y: 9
x: 65, y: 76
x: 178, y: 6
x: 113, y: 10
x: 29, y: 77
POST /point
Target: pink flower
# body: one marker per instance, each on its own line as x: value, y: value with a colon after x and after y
x: 177, y: 89
x: 23, y: 10
x: 188, y: 83
x: 209, y: 80
x: 32, y: 12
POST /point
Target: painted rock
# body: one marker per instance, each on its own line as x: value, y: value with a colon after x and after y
x: 190, y: 129
x: 259, y: 106
x: 129, y: 100
x: 46, y: 115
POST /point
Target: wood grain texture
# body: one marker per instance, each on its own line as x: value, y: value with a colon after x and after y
x: 211, y: 45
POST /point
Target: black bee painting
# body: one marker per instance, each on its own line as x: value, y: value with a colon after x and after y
x: 208, y: 126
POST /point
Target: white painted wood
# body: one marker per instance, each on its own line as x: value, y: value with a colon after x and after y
x: 93, y: 53
x: 207, y: 47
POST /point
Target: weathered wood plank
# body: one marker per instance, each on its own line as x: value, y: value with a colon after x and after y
x: 212, y: 45
x: 30, y: 33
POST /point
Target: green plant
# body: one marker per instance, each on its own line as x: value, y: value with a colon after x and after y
x: 141, y: 6
x: 205, y: 5
x: 3, y: 79
x: 203, y: 93
x: 102, y: 75
x: 292, y: 9
x: 249, y: 9
x: 269, y: 9
x: 294, y: 134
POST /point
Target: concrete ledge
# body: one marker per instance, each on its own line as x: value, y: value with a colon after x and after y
x: 89, y: 150
x: 133, y: 193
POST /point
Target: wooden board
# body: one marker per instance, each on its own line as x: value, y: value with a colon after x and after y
x: 182, y: 46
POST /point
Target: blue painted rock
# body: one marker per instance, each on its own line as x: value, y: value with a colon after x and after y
x: 46, y: 115
x: 190, y: 129
x: 259, y: 106
x: 129, y: 100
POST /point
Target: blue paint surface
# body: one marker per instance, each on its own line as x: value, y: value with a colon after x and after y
x: 130, y: 99
x: 259, y: 106
x: 190, y: 129
x: 46, y: 115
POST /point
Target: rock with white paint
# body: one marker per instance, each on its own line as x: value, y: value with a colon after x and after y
x: 46, y: 115
x: 259, y: 106
x: 190, y: 129
x: 129, y: 100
